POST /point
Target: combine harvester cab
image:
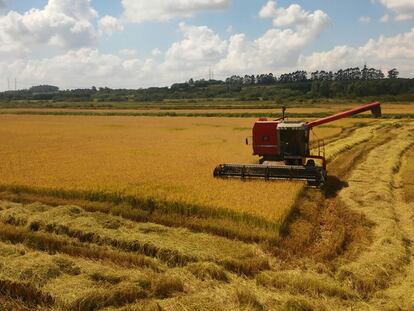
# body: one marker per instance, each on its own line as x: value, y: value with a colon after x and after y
x: 285, y: 152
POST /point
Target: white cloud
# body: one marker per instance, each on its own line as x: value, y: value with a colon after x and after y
x: 384, y: 52
x: 365, y: 19
x: 294, y: 15
x: 199, y: 47
x: 162, y: 10
x: 108, y: 25
x: 385, y: 18
x: 82, y: 68
x: 403, y: 17
x: 403, y: 8
x: 61, y: 23
x: 277, y: 49
x: 156, y: 52
x: 128, y: 53
x: 78, y: 9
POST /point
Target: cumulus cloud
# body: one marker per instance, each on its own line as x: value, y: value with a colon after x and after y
x: 276, y: 51
x: 139, y: 11
x: 385, y: 52
x: 82, y: 68
x: 403, y: 8
x: 61, y: 23
x: 128, y: 53
x: 199, y: 47
x: 156, y: 52
x: 78, y: 9
x: 294, y: 15
x: 277, y: 48
x: 108, y: 25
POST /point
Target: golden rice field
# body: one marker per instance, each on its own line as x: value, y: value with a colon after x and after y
x: 387, y: 108
x: 132, y: 219
x: 153, y: 159
x: 71, y: 257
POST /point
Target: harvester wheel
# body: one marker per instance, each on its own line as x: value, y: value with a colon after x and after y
x: 217, y: 172
x: 310, y: 163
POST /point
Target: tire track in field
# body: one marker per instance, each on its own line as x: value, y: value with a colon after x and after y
x: 322, y: 227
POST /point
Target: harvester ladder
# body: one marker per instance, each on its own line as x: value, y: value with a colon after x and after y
x: 321, y: 148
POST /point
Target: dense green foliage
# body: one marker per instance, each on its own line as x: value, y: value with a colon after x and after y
x: 350, y: 83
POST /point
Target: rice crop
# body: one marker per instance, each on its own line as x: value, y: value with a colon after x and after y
x: 199, y: 107
x: 149, y: 159
x: 130, y: 238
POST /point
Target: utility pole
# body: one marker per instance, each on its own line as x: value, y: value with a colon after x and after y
x: 15, y: 84
x: 8, y: 84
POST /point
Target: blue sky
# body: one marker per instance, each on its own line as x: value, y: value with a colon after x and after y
x: 339, y: 33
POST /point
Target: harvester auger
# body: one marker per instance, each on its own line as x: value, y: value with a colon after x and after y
x: 285, y: 151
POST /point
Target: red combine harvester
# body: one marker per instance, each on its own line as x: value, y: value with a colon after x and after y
x: 285, y: 152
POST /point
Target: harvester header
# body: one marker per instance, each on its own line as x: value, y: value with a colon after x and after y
x: 284, y: 149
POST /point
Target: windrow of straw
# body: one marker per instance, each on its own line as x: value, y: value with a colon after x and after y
x: 70, y: 230
x: 74, y: 282
x: 55, y: 244
x: 67, y: 283
x: 371, y: 192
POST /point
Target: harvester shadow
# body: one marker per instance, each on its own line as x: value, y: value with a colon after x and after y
x: 334, y: 185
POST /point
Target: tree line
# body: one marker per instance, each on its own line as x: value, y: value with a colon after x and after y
x: 349, y: 74
x: 344, y: 83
